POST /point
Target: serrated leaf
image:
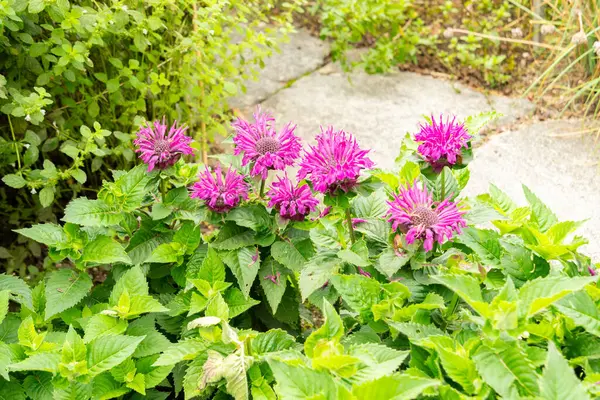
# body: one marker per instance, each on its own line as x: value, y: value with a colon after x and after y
x: 38, y: 362
x: 538, y: 294
x: 14, y: 181
x: 288, y: 255
x: 11, y: 391
x: 233, y: 237
x: 134, y: 281
x: 184, y: 350
x: 154, y: 342
x: 485, y: 243
x: 38, y: 386
x: 74, y: 391
x: 541, y: 214
x: 475, y: 123
x: 86, y: 212
x: 244, y: 263
x: 104, y: 250
x: 389, y: 262
x: 415, y: 332
x: 253, y: 216
x: 446, y: 185
x: 64, y: 289
x: 273, y: 280
x: 99, y: 325
x: 316, y: 273
x: 358, y: 291
x: 394, y: 387
x: 459, y: 367
x: 299, y: 382
x: 580, y: 307
x: 373, y: 206
x: 4, y: 297
x: 105, y: 386
x: 558, y: 381
x: 108, y: 351
x: 272, y: 341
x: 237, y: 302
x: 18, y: 288
x: 48, y: 234
x: 377, y: 360
x: 165, y: 253
x: 507, y: 370
x: 212, y: 269
x: 467, y: 288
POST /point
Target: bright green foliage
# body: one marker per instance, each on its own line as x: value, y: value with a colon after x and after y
x: 260, y: 308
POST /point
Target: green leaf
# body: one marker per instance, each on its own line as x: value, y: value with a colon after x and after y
x: 538, y: 294
x: 4, y: 297
x: 377, y: 360
x: 133, y: 281
x: 73, y: 349
x: 394, y: 387
x: 389, y: 262
x: 446, y: 185
x: 11, y: 391
x: 74, y: 391
x: 273, y: 280
x: 467, y: 288
x: 104, y: 250
x: 230, y: 87
x: 580, y: 307
x: 485, y: 243
x: 253, y: 216
x: 108, y: 351
x: 558, y: 381
x: 459, y: 367
x: 49, y: 234
x: 217, y: 307
x: 332, y: 329
x: 358, y: 255
x: 186, y: 349
x: 316, y: 273
x: 46, y: 196
x: 21, y: 293
x: 64, y: 289
x: 165, y: 253
x: 99, y: 325
x: 507, y: 370
x: 233, y: 237
x: 38, y: 362
x: 141, y: 304
x: 14, y: 181
x: 154, y: 342
x: 188, y: 235
x: 244, y: 263
x: 212, y: 269
x: 86, y: 212
x: 373, y: 206
x: 272, y: 341
x: 237, y: 302
x: 541, y: 214
x: 358, y: 291
x: 415, y: 332
x: 38, y: 386
x: 296, y: 382
x: 36, y: 6
x: 475, y: 123
x: 287, y: 254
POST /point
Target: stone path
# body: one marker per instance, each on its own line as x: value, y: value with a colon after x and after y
x: 298, y: 85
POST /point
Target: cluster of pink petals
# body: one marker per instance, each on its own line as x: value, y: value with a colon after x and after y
x: 159, y: 149
x: 261, y: 144
x: 442, y: 142
x: 220, y: 193
x: 293, y: 202
x: 414, y: 212
x: 335, y: 162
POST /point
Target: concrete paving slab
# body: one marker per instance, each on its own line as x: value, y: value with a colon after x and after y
x: 380, y: 109
x: 561, y: 169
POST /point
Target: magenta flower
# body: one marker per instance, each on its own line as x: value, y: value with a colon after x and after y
x: 442, y: 141
x: 293, y: 202
x: 264, y: 146
x: 220, y: 194
x: 159, y: 149
x: 335, y: 162
x: 415, y: 212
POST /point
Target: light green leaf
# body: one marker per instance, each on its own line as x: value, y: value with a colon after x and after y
x: 21, y: 293
x: 144, y: 304
x: 233, y: 237
x: 316, y: 273
x: 475, y: 123
x: 332, y: 329
x: 48, y: 234
x: 358, y: 291
x: 373, y: 206
x: 580, y: 307
x: 377, y: 360
x: 272, y: 341
x: 11, y: 391
x: 274, y: 290
x: 105, y: 352
x: 288, y: 255
x: 86, y: 212
x: 538, y: 294
x: 154, y: 342
x: 165, y: 253
x: 541, y: 214
x: 296, y: 382
x: 64, y: 289
x: 38, y: 386
x: 446, y: 185
x: 244, y: 263
x: 134, y: 281
x: 38, y: 362
x: 104, y: 250
x: 467, y: 288
x: 394, y: 387
x: 485, y: 243
x: 4, y: 297
x: 187, y: 349
x: 212, y: 268
x: 99, y: 325
x: 459, y: 367
x: 14, y: 181
x: 217, y: 307
x: 253, y: 216
x: 237, y: 302
x: 558, y: 381
x: 389, y: 262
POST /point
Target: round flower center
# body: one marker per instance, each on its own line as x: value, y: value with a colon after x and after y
x: 424, y: 216
x: 267, y: 144
x: 161, y: 145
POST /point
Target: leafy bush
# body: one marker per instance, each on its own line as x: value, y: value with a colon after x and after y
x: 155, y: 293
x: 78, y: 78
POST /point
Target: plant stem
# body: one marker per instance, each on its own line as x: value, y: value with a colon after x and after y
x: 350, y: 227
x: 262, y: 188
x: 452, y: 306
x: 15, y: 143
x: 163, y: 189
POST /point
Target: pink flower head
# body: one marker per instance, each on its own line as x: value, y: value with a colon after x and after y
x: 293, y: 202
x: 415, y: 212
x: 220, y: 194
x: 159, y: 149
x: 335, y: 162
x: 264, y: 146
x: 442, y: 141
